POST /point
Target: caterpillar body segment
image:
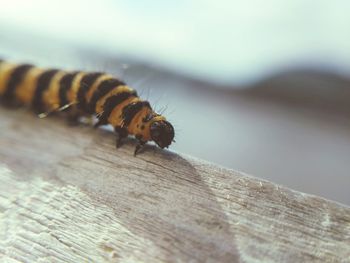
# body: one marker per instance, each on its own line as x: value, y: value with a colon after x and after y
x: 85, y: 94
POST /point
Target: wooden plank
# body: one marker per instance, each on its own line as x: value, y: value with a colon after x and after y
x: 67, y: 195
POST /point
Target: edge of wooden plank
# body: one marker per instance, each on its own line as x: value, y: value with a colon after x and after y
x: 68, y: 195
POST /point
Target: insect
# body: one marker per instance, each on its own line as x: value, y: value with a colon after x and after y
x: 84, y: 94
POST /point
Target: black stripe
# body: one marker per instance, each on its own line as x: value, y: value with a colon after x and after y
x: 16, y: 78
x: 85, y: 84
x: 103, y: 88
x: 42, y: 84
x: 65, y: 86
x: 130, y: 110
x: 111, y: 103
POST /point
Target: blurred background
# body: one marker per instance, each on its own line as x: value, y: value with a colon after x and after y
x: 257, y: 86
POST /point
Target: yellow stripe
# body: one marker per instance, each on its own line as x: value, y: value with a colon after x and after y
x: 25, y: 90
x: 5, y: 73
x: 73, y: 91
x: 115, y: 118
x: 157, y: 118
x: 51, y: 95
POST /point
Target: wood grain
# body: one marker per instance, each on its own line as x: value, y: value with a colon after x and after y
x: 67, y: 195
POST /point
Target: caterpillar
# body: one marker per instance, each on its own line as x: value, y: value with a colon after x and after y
x: 85, y: 94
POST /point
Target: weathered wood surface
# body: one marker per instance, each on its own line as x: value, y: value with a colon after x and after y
x: 67, y: 195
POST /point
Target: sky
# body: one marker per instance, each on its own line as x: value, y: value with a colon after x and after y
x: 224, y: 40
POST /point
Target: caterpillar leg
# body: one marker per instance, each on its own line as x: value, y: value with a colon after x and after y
x: 73, y: 117
x: 139, y: 146
x: 100, y: 122
x: 76, y: 116
x: 122, y: 133
x: 10, y: 104
x: 80, y: 119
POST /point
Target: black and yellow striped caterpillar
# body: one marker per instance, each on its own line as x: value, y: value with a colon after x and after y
x: 85, y: 94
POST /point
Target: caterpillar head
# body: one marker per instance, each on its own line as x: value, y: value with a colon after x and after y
x: 162, y: 133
